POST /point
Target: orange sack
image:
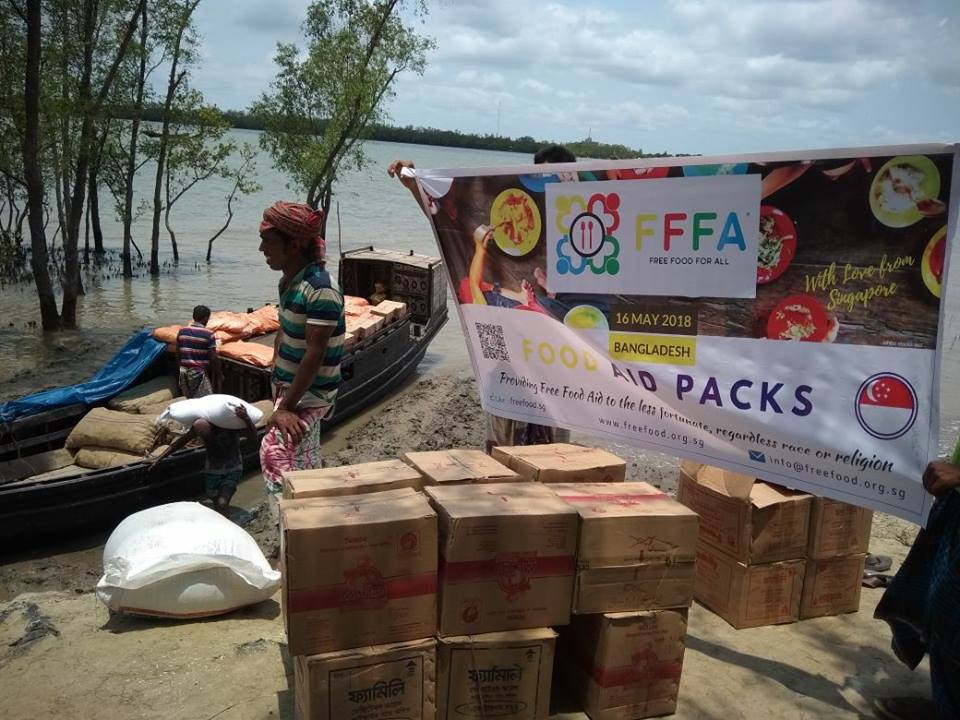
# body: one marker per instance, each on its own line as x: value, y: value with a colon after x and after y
x: 265, y: 320
x: 167, y: 334
x: 229, y: 326
x: 248, y: 352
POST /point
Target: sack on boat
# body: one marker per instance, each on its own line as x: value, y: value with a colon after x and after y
x: 249, y: 352
x: 216, y: 409
x: 135, y: 434
x: 167, y: 334
x: 355, y: 305
x: 99, y: 458
x: 265, y: 320
x: 183, y: 560
x: 65, y: 471
x: 228, y: 326
x: 44, y: 462
x: 158, y: 408
x: 158, y: 391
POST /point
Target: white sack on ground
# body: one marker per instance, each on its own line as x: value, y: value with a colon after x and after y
x: 183, y: 560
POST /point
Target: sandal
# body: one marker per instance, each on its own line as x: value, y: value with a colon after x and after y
x: 878, y: 563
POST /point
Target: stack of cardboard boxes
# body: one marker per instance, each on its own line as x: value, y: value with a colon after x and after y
x: 623, y: 651
x: 508, y: 549
x: 359, y: 603
x: 434, y: 587
x: 507, y: 562
x: 768, y: 555
x: 361, y: 550
x: 836, y: 551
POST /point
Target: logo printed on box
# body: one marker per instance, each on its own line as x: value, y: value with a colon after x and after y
x: 643, y: 664
x: 513, y: 572
x: 471, y: 611
x: 410, y: 543
x: 364, y: 588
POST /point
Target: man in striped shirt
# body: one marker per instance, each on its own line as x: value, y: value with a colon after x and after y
x: 197, y: 355
x: 309, y: 344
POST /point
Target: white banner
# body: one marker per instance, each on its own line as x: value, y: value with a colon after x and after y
x: 777, y: 315
x: 824, y: 429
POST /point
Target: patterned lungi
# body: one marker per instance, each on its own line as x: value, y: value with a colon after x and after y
x: 278, y: 454
x: 194, y: 383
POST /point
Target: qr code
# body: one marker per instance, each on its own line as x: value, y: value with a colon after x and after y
x: 492, y: 344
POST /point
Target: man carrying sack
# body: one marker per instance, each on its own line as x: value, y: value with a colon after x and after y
x: 309, y: 343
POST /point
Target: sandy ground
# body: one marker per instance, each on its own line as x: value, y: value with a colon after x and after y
x: 62, y: 655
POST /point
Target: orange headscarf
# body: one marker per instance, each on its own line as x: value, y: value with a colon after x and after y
x: 298, y: 221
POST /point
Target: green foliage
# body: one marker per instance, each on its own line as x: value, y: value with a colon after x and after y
x: 454, y: 138
x: 322, y: 101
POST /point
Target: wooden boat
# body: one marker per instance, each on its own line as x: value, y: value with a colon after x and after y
x: 31, y: 510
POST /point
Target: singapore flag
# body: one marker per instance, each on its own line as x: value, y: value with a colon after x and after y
x: 886, y: 406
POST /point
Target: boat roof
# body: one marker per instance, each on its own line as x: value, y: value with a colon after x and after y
x: 372, y: 253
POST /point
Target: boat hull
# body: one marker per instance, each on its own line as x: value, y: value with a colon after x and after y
x: 67, y: 506
x: 33, y: 511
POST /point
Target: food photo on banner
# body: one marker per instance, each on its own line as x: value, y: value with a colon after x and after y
x: 778, y: 315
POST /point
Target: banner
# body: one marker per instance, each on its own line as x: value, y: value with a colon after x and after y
x: 778, y: 315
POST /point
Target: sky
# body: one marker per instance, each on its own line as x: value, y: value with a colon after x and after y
x: 681, y: 76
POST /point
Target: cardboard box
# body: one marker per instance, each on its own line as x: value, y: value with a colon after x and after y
x: 445, y: 467
x: 386, y: 681
x: 349, y: 341
x: 832, y: 586
x: 358, y: 570
x: 511, y: 672
x: 629, y: 523
x: 622, y: 666
x: 390, y: 310
x: 750, y: 520
x: 507, y: 557
x: 368, y: 327
x: 562, y: 462
x: 636, y: 549
x: 837, y: 529
x: 350, y: 480
x: 748, y: 595
x: 645, y: 586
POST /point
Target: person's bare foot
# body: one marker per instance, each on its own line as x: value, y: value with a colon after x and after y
x: 904, y: 708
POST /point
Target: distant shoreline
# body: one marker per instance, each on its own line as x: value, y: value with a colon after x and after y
x: 588, y: 148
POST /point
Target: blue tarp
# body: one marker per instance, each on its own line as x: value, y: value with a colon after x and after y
x: 122, y: 369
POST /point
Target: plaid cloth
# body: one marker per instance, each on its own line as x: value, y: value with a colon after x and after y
x: 194, y: 383
x: 922, y: 604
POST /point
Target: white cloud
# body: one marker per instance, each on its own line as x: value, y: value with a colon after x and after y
x: 688, y: 75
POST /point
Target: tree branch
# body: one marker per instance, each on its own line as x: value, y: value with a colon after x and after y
x: 118, y: 60
x: 331, y: 160
x: 18, y: 10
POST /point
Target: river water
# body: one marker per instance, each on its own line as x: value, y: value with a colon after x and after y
x: 374, y: 210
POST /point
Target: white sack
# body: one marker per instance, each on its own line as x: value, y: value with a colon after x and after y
x: 216, y: 409
x: 183, y: 560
